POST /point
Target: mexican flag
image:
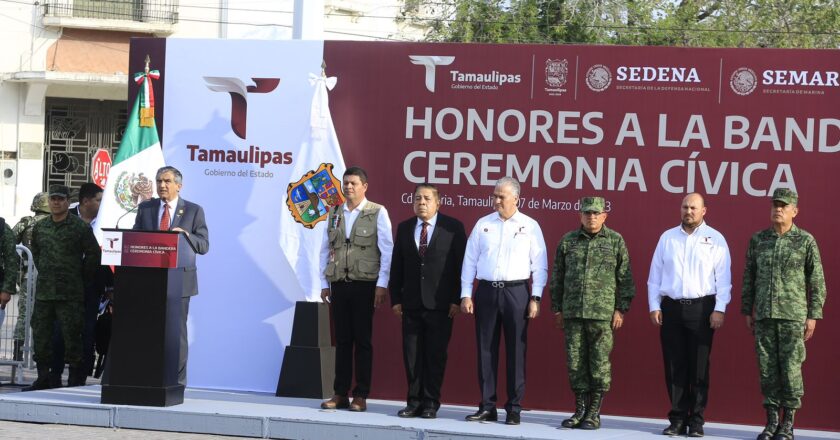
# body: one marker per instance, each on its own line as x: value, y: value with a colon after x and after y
x: 131, y: 179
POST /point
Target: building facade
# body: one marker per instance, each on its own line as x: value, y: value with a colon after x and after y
x: 64, y: 70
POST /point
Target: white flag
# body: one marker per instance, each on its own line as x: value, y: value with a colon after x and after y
x: 301, y: 245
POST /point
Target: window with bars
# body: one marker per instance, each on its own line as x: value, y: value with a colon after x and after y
x: 74, y: 129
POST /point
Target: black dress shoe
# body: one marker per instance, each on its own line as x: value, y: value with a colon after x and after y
x: 695, y: 430
x: 409, y: 411
x: 428, y: 413
x: 676, y: 428
x: 483, y: 415
x: 512, y: 418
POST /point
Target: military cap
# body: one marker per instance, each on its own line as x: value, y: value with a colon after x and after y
x: 592, y: 204
x: 60, y: 191
x: 786, y: 196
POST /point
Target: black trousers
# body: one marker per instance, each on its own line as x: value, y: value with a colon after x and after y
x: 352, y: 307
x: 686, y: 337
x: 185, y: 345
x: 497, y: 309
x: 426, y: 336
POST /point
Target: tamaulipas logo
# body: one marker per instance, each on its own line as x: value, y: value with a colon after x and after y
x: 310, y: 198
x: 431, y: 62
x: 239, y: 97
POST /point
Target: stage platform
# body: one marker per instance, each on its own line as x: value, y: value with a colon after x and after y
x: 266, y: 416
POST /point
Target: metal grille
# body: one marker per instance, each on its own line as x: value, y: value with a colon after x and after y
x: 147, y: 11
x: 75, y: 129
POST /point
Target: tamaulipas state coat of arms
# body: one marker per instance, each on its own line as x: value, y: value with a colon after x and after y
x: 310, y: 198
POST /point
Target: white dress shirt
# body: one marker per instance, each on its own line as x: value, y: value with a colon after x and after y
x: 429, y: 229
x: 384, y: 242
x: 505, y: 250
x: 689, y: 266
x: 172, y: 205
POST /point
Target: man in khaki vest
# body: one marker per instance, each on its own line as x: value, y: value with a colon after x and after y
x: 356, y: 263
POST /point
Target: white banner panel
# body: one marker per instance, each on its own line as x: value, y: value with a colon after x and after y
x: 237, y: 115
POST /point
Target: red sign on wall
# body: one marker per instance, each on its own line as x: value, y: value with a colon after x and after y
x: 100, y: 167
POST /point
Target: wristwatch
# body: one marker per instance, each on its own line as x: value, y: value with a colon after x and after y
x: 536, y: 298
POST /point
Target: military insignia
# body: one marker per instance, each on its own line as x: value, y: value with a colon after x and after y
x: 132, y: 189
x: 310, y: 198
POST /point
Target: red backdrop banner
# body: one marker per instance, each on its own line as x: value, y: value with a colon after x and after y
x: 640, y: 126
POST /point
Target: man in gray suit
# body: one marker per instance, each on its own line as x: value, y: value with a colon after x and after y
x: 170, y: 212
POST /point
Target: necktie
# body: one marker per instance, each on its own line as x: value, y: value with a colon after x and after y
x: 424, y: 239
x: 164, y: 219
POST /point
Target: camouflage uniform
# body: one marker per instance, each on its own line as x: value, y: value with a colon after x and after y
x: 23, y: 235
x: 591, y: 279
x: 10, y: 261
x: 780, y: 272
x: 66, y: 255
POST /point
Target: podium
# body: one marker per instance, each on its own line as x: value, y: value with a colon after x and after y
x: 145, y: 331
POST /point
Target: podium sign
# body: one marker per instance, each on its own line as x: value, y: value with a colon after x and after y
x: 142, y: 367
x: 142, y: 249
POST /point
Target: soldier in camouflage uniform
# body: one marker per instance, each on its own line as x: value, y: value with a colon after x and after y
x: 66, y: 255
x: 782, y: 298
x: 591, y: 289
x: 10, y: 262
x: 23, y: 235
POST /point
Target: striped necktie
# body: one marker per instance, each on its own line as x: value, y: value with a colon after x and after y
x: 424, y: 239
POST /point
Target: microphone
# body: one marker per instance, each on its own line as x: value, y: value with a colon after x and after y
x: 123, y: 216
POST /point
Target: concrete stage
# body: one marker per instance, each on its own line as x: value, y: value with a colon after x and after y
x: 265, y: 416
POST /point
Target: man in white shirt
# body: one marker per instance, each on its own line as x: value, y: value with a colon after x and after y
x: 356, y: 265
x: 689, y: 287
x: 504, y: 250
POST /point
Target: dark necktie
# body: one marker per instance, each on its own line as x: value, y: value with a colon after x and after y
x: 424, y: 239
x: 164, y: 219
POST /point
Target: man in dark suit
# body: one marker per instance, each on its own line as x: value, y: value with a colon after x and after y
x: 425, y: 293
x: 172, y: 213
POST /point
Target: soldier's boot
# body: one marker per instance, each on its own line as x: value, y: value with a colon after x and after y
x: 43, y: 380
x: 581, y: 400
x: 76, y: 377
x: 592, y: 419
x: 18, y: 350
x: 772, y: 423
x: 785, y: 431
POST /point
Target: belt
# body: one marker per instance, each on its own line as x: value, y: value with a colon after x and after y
x: 502, y: 284
x: 348, y: 281
x: 688, y: 302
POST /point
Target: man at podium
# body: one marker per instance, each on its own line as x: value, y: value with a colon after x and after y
x: 170, y: 212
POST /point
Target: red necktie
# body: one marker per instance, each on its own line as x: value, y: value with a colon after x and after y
x: 424, y: 239
x: 164, y: 219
